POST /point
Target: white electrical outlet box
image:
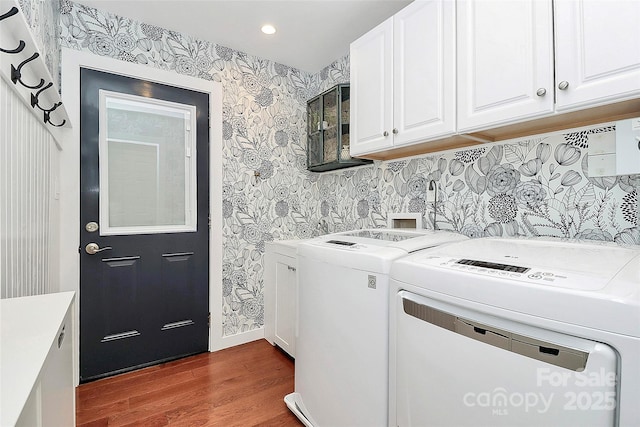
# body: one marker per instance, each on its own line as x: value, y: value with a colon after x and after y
x: 404, y: 220
x: 602, y: 165
x: 628, y: 146
x: 602, y: 154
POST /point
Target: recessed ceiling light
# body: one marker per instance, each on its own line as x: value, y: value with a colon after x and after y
x: 268, y: 29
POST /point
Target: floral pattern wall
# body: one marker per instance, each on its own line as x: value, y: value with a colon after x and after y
x: 42, y: 17
x: 530, y: 187
x: 534, y: 186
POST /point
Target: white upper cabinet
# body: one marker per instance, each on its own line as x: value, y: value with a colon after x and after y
x: 423, y: 71
x: 597, y: 52
x: 371, y: 90
x: 402, y: 79
x: 442, y: 72
x: 505, y: 61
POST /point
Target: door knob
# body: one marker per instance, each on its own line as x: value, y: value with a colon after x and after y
x: 541, y: 92
x: 385, y: 133
x: 395, y: 131
x: 93, y: 248
x: 563, y: 85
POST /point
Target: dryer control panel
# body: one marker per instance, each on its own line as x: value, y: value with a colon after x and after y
x: 533, y: 275
x: 493, y: 265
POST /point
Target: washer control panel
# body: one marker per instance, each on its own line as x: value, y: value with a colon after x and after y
x: 342, y: 244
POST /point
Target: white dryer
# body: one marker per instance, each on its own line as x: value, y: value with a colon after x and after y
x: 527, y: 332
x: 341, y: 370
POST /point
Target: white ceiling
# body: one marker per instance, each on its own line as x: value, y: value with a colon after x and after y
x: 310, y: 33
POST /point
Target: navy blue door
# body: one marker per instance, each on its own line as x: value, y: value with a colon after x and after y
x: 144, y: 223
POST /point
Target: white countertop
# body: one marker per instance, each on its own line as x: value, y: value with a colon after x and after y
x: 284, y: 247
x: 28, y: 328
x: 286, y: 243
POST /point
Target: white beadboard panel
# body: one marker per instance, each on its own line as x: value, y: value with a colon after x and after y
x: 28, y: 210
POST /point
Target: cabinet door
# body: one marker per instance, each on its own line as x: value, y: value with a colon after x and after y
x: 597, y: 51
x: 371, y: 90
x: 330, y: 107
x: 286, y: 303
x: 424, y: 71
x: 314, y: 132
x: 56, y: 383
x: 505, y: 61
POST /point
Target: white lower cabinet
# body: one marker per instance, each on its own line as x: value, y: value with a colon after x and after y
x: 36, y: 363
x: 281, y: 294
x: 51, y: 400
x: 56, y: 380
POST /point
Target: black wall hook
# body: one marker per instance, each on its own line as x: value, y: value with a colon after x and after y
x: 19, y: 49
x: 13, y: 11
x: 16, y: 73
x: 47, y: 118
x: 16, y: 76
x: 35, y: 101
x: 47, y: 115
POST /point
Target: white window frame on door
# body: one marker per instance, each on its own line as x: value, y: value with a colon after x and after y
x: 151, y: 105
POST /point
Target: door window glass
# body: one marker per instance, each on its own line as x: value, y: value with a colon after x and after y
x: 147, y: 165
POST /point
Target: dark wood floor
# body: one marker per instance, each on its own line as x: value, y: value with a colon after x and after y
x: 239, y: 386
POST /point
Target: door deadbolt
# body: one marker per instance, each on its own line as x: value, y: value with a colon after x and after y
x: 93, y: 248
x: 92, y: 227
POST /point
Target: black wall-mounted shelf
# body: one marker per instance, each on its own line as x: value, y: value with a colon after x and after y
x: 328, y: 131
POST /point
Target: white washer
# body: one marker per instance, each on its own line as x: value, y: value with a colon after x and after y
x: 525, y: 332
x: 341, y: 370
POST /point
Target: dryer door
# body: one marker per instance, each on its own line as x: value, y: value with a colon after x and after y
x: 456, y: 367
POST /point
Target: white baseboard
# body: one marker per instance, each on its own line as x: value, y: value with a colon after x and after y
x: 233, y: 340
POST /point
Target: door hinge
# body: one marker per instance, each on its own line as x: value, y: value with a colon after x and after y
x: 209, y: 320
x: 209, y: 221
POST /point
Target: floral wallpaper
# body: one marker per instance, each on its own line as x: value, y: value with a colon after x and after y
x: 533, y: 186
x: 43, y: 17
